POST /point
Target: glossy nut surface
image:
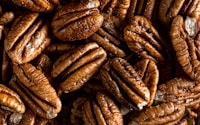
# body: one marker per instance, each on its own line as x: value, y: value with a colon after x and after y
x: 77, y: 20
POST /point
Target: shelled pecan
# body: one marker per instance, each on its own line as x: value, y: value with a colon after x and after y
x: 27, y: 38
x: 35, y: 90
x: 165, y: 113
x: 101, y: 110
x: 73, y: 69
x: 77, y: 20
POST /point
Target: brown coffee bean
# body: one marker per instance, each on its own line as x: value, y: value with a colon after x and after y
x: 77, y: 20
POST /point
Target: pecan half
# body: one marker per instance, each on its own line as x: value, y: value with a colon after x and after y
x: 77, y: 20
x: 11, y: 100
x: 184, y: 37
x: 127, y: 85
x: 143, y: 39
x: 101, y: 110
x: 73, y: 69
x: 165, y: 113
x: 180, y: 90
x: 38, y: 5
x: 27, y: 38
x: 35, y: 90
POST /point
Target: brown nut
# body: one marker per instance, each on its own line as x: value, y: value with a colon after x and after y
x: 115, y: 7
x: 77, y: 20
x: 35, y: 90
x: 165, y: 113
x: 179, y: 90
x: 113, y: 46
x: 127, y: 85
x: 27, y: 38
x: 73, y: 69
x: 11, y: 100
x: 39, y: 5
x: 141, y: 7
x: 101, y: 110
x: 143, y: 39
x: 184, y: 37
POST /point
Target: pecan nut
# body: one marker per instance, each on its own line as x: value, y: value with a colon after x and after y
x: 101, y: 110
x: 73, y: 69
x: 165, y: 113
x: 36, y: 91
x: 27, y: 38
x: 143, y: 39
x: 39, y: 5
x: 179, y: 90
x: 10, y: 100
x: 77, y: 20
x: 128, y: 86
x: 185, y: 41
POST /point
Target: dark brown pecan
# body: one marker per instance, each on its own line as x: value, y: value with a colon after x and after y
x: 73, y: 69
x: 131, y: 86
x: 143, y: 39
x: 4, y: 114
x: 77, y: 20
x: 180, y: 90
x: 28, y: 118
x: 165, y: 113
x: 112, y: 45
x: 10, y: 100
x: 115, y: 7
x: 27, y: 38
x: 101, y: 110
x: 141, y: 7
x: 184, y: 37
x: 37, y: 5
x: 35, y: 90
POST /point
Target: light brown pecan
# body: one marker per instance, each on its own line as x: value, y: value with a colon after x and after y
x: 184, y: 37
x: 37, y: 5
x: 10, y: 100
x: 180, y: 90
x: 126, y: 84
x: 165, y: 113
x: 27, y: 38
x: 77, y: 20
x: 101, y: 110
x: 143, y: 39
x: 35, y: 90
x: 73, y: 69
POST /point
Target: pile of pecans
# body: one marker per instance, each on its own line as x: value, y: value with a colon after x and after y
x: 106, y: 62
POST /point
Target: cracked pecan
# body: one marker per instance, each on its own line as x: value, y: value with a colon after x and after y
x: 77, y: 20
x: 27, y: 38
x: 165, y: 113
x: 184, y: 34
x: 128, y: 86
x: 101, y: 110
x: 143, y: 39
x: 35, y: 90
x: 38, y: 5
x: 179, y: 90
x: 73, y: 69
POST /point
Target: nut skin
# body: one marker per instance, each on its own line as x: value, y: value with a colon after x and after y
x: 143, y: 39
x: 119, y: 77
x: 184, y: 38
x: 165, y: 113
x: 27, y: 38
x: 179, y: 90
x: 103, y: 109
x: 75, y: 68
x: 11, y: 99
x: 77, y: 20
x: 36, y: 91
x: 38, y: 5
